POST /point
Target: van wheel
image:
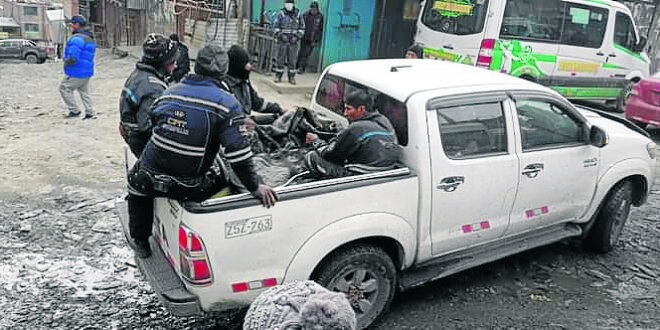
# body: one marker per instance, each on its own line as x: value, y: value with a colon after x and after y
x: 624, y: 96
x: 610, y: 221
x: 366, y: 275
x: 31, y: 59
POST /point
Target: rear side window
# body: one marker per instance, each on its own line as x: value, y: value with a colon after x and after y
x: 332, y: 90
x: 475, y: 130
x: 584, y: 25
x: 529, y: 19
x: 459, y: 17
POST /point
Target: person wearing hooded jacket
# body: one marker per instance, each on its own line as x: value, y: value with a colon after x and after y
x: 313, y: 35
x: 238, y: 79
x: 288, y: 27
x: 191, y: 121
x: 145, y: 84
x: 78, y: 69
x: 369, y: 143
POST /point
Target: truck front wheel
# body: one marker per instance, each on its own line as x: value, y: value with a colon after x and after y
x: 31, y: 59
x: 610, y: 220
x: 624, y: 96
x: 366, y: 275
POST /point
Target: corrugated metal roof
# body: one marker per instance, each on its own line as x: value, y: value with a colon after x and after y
x: 8, y: 22
x: 137, y: 4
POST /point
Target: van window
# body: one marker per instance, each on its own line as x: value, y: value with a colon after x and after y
x: 455, y: 17
x: 332, y: 90
x: 529, y: 19
x: 475, y: 130
x: 624, y: 31
x: 584, y: 25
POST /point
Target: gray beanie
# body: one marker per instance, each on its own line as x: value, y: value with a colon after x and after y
x: 300, y: 305
x: 212, y: 61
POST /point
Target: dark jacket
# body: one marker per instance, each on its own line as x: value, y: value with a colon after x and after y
x: 289, y: 25
x: 368, y: 142
x: 80, y: 51
x: 182, y: 63
x: 313, y: 27
x: 191, y: 121
x: 141, y: 89
x: 248, y: 96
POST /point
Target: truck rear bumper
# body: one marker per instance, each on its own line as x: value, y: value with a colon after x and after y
x: 160, y: 274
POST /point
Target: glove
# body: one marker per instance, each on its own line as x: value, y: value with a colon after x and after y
x: 70, y: 61
x: 274, y: 108
x: 266, y: 195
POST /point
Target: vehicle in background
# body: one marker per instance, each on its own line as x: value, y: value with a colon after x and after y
x: 585, y: 50
x: 22, y: 49
x: 491, y: 166
x: 643, y: 105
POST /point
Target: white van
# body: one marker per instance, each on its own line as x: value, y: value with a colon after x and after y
x: 584, y: 49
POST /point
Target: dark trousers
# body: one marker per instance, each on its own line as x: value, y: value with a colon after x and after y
x: 306, y: 48
x: 318, y: 166
x: 144, y: 185
x: 288, y: 54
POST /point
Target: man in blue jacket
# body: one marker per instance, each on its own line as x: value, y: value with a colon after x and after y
x: 78, y: 68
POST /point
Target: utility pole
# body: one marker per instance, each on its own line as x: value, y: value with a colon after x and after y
x: 239, y: 28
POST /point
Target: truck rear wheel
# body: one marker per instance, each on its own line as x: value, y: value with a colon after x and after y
x: 366, y: 275
x: 610, y: 220
x: 31, y: 59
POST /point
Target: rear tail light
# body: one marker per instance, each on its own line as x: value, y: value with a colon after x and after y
x: 193, y: 260
x: 485, y: 57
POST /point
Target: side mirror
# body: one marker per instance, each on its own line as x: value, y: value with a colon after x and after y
x: 640, y: 45
x: 598, y: 137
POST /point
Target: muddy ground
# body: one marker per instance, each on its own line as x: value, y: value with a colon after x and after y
x: 65, y: 264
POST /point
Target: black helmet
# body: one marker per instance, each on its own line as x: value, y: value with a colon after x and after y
x: 157, y: 49
x: 78, y: 19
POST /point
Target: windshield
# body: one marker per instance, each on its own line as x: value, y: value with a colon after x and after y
x: 460, y: 17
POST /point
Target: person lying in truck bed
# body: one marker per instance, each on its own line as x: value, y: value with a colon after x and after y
x: 369, y: 143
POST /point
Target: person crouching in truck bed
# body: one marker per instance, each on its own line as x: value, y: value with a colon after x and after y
x: 191, y: 120
x: 368, y: 144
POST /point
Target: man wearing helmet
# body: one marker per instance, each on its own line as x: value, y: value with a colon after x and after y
x: 78, y: 68
x: 289, y: 27
x: 145, y: 84
x: 191, y: 120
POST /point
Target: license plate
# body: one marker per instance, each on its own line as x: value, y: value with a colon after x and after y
x: 248, y: 226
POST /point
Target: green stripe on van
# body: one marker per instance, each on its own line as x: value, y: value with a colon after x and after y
x: 612, y: 66
x: 628, y: 51
x: 587, y: 92
x: 549, y: 58
x: 606, y: 3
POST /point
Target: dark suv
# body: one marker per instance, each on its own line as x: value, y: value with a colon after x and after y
x: 22, y: 49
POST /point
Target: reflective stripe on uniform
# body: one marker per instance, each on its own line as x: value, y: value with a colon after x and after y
x: 193, y: 100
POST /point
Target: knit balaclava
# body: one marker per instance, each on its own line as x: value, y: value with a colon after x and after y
x: 302, y: 305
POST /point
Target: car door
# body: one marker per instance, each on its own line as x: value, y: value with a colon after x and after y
x: 474, y: 170
x: 558, y: 167
x: 582, y: 52
x: 621, y: 57
x: 3, y: 48
x: 14, y: 49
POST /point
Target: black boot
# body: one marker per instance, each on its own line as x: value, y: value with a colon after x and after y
x: 278, y: 77
x: 141, y: 248
x: 292, y: 79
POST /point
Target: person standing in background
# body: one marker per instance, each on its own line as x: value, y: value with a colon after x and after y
x: 78, y: 68
x: 289, y: 27
x: 313, y: 35
x: 182, y: 62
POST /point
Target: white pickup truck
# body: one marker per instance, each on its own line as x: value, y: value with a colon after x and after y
x: 492, y: 165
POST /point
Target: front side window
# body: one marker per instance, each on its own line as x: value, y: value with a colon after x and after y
x: 332, y: 90
x: 30, y: 11
x: 584, y: 25
x: 545, y: 124
x: 470, y: 131
x: 535, y: 20
x: 624, y: 31
x: 459, y: 17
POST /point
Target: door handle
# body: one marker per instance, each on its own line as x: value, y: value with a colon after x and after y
x: 450, y: 47
x: 611, y: 55
x: 532, y: 170
x: 449, y: 184
x: 600, y: 54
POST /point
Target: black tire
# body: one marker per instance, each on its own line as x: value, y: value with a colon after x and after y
x: 623, y: 97
x: 31, y: 59
x: 368, y: 273
x: 611, y: 219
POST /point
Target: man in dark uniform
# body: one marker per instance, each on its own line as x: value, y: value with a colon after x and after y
x: 367, y: 145
x: 183, y: 60
x: 313, y: 34
x: 191, y: 120
x: 145, y: 84
x: 289, y: 27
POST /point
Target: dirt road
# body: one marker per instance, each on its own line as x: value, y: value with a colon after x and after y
x: 65, y: 265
